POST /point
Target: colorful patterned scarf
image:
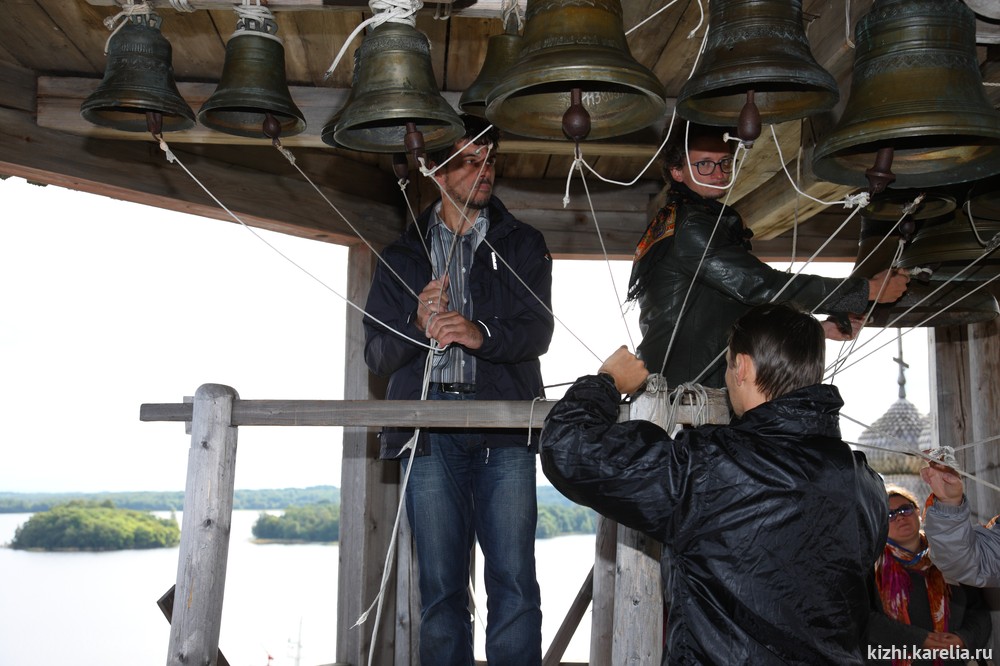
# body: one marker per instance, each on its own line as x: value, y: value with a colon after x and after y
x: 661, y: 227
x: 892, y: 575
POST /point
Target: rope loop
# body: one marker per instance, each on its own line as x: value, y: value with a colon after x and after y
x: 256, y: 19
x: 140, y: 13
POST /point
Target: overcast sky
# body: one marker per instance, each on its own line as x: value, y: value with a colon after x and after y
x: 106, y: 305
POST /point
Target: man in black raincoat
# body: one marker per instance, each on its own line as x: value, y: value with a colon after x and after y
x: 771, y: 524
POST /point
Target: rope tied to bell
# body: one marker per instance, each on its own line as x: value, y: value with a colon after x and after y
x: 384, y: 11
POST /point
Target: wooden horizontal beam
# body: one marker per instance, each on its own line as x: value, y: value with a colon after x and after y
x: 478, y: 8
x: 139, y: 172
x: 406, y: 413
x: 59, y: 100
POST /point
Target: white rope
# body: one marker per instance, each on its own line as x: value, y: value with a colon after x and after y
x: 977, y: 443
x: 255, y: 20
x: 291, y: 159
x: 859, y: 200
x: 847, y: 24
x: 657, y: 13
x: 600, y: 237
x: 972, y: 224
x: 182, y: 6
x: 666, y: 137
x: 118, y: 21
x: 444, y: 195
x: 922, y: 322
x: 171, y: 157
x: 934, y: 456
x: 390, y: 556
x: 511, y: 9
x: 385, y: 11
x: 851, y: 344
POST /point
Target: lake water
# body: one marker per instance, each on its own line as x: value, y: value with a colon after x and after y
x: 99, y: 609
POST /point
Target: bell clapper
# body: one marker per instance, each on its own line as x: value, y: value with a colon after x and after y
x: 154, y: 123
x: 414, y: 141
x: 748, y: 126
x: 272, y: 129
x: 576, y: 119
x: 880, y: 176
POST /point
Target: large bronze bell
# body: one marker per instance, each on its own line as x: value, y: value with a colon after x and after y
x: 502, y: 52
x: 575, y: 45
x: 759, y: 46
x: 138, y: 93
x: 393, y: 86
x: 917, y: 96
x: 252, y: 97
x: 927, y: 302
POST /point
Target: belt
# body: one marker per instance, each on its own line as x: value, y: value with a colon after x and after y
x: 454, y: 388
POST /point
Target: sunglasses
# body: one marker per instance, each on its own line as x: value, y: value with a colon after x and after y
x: 905, y: 510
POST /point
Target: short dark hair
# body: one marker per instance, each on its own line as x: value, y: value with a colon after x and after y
x: 474, y: 126
x: 674, y: 155
x: 787, y: 345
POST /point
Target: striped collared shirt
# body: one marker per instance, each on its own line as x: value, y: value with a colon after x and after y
x: 454, y: 365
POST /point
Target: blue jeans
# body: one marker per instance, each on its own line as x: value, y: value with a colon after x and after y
x: 460, y: 491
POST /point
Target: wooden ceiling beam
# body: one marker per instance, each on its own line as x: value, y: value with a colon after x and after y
x: 479, y: 8
x: 139, y: 172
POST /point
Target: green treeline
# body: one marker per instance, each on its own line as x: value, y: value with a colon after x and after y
x: 310, y: 514
x: 271, y: 499
x: 558, y: 519
x: 313, y: 522
x: 86, y: 525
x: 321, y: 522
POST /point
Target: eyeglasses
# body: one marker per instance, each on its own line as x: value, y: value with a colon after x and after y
x: 707, y: 167
x: 906, y: 510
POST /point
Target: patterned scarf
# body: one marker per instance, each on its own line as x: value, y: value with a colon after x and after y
x: 892, y: 574
x: 660, y: 228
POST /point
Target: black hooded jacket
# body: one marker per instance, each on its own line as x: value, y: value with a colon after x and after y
x: 771, y: 525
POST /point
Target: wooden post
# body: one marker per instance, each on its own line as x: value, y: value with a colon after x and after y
x: 207, y: 518
x: 638, y: 627
x: 370, y: 488
x: 948, y: 349
x: 603, y: 613
x: 984, y: 379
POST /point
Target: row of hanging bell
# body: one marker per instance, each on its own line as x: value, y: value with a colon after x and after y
x: 251, y: 99
x: 943, y: 249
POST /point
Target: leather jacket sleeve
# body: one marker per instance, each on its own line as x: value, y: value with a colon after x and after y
x: 730, y: 268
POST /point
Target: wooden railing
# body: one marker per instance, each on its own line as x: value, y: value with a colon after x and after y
x: 624, y: 583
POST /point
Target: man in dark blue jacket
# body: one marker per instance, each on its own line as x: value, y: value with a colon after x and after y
x: 474, y: 283
x: 771, y: 524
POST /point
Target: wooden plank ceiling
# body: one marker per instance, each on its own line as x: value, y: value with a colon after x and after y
x: 51, y: 58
